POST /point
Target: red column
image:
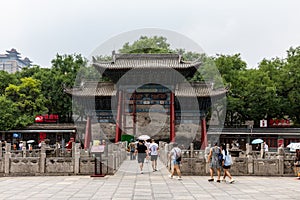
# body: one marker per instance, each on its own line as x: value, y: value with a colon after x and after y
x: 204, y: 142
x: 134, y: 115
x: 87, y: 137
x: 119, y: 118
x: 124, y: 102
x: 172, y: 118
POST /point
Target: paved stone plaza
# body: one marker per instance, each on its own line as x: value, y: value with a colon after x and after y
x: 128, y: 183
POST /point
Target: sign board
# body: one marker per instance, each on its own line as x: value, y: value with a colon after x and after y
x: 97, y: 148
x: 280, y: 142
x: 280, y: 123
x: 52, y: 118
x: 263, y: 123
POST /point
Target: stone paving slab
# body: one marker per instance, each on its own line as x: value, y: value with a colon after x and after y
x: 128, y: 183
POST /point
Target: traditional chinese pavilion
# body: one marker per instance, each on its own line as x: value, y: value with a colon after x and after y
x: 137, y: 83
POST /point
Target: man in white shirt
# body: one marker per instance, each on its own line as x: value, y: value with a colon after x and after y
x: 153, y: 149
x: 266, y: 150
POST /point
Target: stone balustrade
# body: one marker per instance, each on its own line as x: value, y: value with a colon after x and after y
x: 48, y: 161
x: 194, y: 162
x: 52, y: 161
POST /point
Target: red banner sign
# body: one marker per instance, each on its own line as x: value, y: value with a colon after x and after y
x: 279, y: 123
x: 52, y: 118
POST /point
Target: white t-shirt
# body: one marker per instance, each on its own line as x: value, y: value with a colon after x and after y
x: 175, y: 151
x: 266, y: 148
x: 227, y: 158
x: 153, y: 148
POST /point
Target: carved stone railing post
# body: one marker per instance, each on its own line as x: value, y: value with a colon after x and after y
x: 7, y: 158
x: 281, y: 155
x: 73, y: 149
x: 206, y: 152
x: 248, y: 149
x: 43, y: 157
x: 110, y: 158
x: 262, y: 150
x: 0, y: 149
x: 166, y: 155
x: 24, y: 149
x: 76, y: 158
x: 250, y: 158
x: 192, y: 150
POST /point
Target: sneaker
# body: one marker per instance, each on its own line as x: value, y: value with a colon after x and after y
x: 154, y: 170
x: 210, y: 180
x: 218, y: 181
x: 231, y: 180
x: 179, y: 178
x: 224, y: 180
x: 141, y: 172
x: 170, y: 176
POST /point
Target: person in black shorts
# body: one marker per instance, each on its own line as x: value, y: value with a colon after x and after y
x: 226, y: 163
x: 141, y: 151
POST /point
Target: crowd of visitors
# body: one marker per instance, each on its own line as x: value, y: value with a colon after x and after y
x: 219, y: 158
x: 144, y: 151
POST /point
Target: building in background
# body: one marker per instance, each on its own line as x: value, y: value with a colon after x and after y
x: 142, y: 88
x: 11, y: 62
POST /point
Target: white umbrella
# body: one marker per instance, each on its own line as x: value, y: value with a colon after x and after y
x: 144, y: 137
x: 257, y: 141
x: 293, y: 146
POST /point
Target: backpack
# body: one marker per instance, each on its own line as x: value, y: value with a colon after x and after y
x: 220, y: 156
x: 177, y: 156
x: 227, y: 159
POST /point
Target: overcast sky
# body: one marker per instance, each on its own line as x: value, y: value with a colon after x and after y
x: 255, y: 28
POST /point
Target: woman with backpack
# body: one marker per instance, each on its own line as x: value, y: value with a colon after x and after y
x: 214, y: 163
x: 226, y: 163
x: 175, y: 157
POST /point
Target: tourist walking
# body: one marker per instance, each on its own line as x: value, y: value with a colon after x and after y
x: 147, y: 144
x: 266, y: 150
x: 214, y: 163
x: 141, y: 152
x: 175, y: 157
x: 226, y: 164
x: 153, y: 150
x: 297, y: 163
x: 131, y: 148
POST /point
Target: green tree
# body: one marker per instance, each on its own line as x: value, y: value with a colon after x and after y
x: 290, y: 83
x: 258, y: 96
x: 227, y: 69
x: 146, y: 44
x: 64, y: 72
x: 8, y: 114
x: 28, y: 99
x: 5, y: 80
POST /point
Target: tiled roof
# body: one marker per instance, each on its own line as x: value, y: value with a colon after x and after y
x: 129, y: 61
x: 14, y: 51
x: 198, y: 89
x: 27, y: 60
x: 93, y: 89
x: 184, y: 90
